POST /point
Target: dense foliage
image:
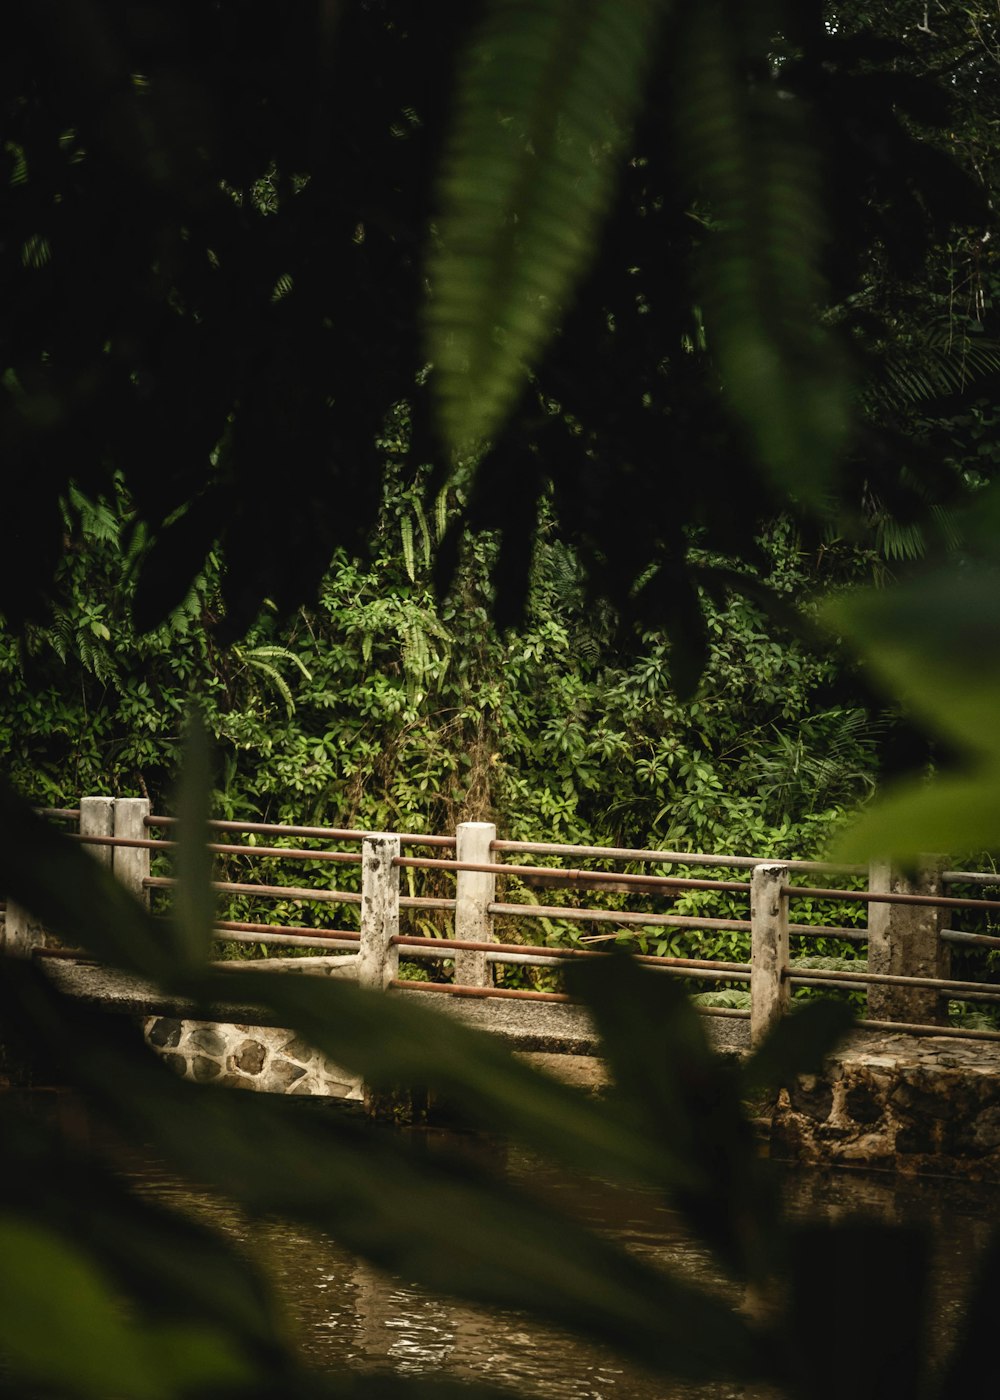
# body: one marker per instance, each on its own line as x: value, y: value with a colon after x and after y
x: 380, y: 708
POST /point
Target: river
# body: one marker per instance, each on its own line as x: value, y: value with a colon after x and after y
x: 345, y: 1314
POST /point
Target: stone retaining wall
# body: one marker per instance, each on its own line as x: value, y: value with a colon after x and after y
x: 929, y: 1106
x: 264, y: 1058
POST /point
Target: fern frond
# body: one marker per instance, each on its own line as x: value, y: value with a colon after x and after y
x: 441, y: 514
x: 409, y: 558
x: 902, y: 542
x: 747, y: 152
x: 935, y: 369
x: 545, y: 102
x: 425, y: 534
x: 277, y: 680
x: 273, y: 652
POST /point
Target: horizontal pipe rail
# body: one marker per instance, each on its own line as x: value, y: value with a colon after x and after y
x: 296, y: 892
x: 287, y: 852
x: 971, y: 877
x: 919, y: 1028
x: 329, y: 833
x: 806, y: 981
x: 66, y: 814
x: 412, y: 940
x: 320, y: 933
x: 283, y: 940
x: 615, y: 916
x: 455, y: 989
x: 645, y: 882
x: 815, y: 975
x: 889, y: 897
x: 951, y: 935
x: 623, y: 853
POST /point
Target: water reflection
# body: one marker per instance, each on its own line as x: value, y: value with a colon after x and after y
x: 345, y: 1314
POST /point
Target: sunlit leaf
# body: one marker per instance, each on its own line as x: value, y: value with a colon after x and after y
x: 934, y: 644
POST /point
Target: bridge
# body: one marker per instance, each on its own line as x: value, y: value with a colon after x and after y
x: 482, y: 928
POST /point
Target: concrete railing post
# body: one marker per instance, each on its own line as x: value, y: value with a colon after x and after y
x: 904, y: 940
x: 769, y: 990
x: 378, y: 958
x: 22, y: 932
x: 131, y: 863
x: 97, y: 818
x: 475, y: 891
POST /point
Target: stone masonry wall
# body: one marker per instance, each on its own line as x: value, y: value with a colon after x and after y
x: 248, y: 1057
x: 899, y: 1103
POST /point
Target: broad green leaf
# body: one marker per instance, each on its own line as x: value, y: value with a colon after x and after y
x: 73, y: 896
x: 934, y: 644
x: 882, y: 1270
x: 797, y: 1045
x: 748, y: 154
x: 475, y: 1235
x: 545, y: 102
x: 172, y: 1268
x: 62, y: 1326
x: 684, y: 1097
x: 389, y: 1041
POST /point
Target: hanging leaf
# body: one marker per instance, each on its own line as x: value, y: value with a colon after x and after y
x: 545, y: 103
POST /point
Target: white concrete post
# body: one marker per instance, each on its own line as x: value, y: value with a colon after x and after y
x: 97, y: 818
x: 23, y: 932
x: 475, y: 891
x: 769, y: 956
x: 378, y: 958
x: 131, y: 863
x: 905, y: 940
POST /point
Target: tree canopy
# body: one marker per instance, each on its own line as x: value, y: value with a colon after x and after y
x: 225, y: 232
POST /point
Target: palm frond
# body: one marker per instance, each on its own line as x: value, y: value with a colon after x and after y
x: 545, y: 102
x: 940, y: 367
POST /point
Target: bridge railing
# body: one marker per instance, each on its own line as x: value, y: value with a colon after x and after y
x: 906, y: 978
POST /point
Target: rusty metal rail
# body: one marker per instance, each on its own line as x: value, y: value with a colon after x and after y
x: 958, y: 991
x: 285, y: 852
x: 889, y: 897
x: 327, y: 833
x: 652, y: 883
x: 296, y: 893
x: 625, y: 853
